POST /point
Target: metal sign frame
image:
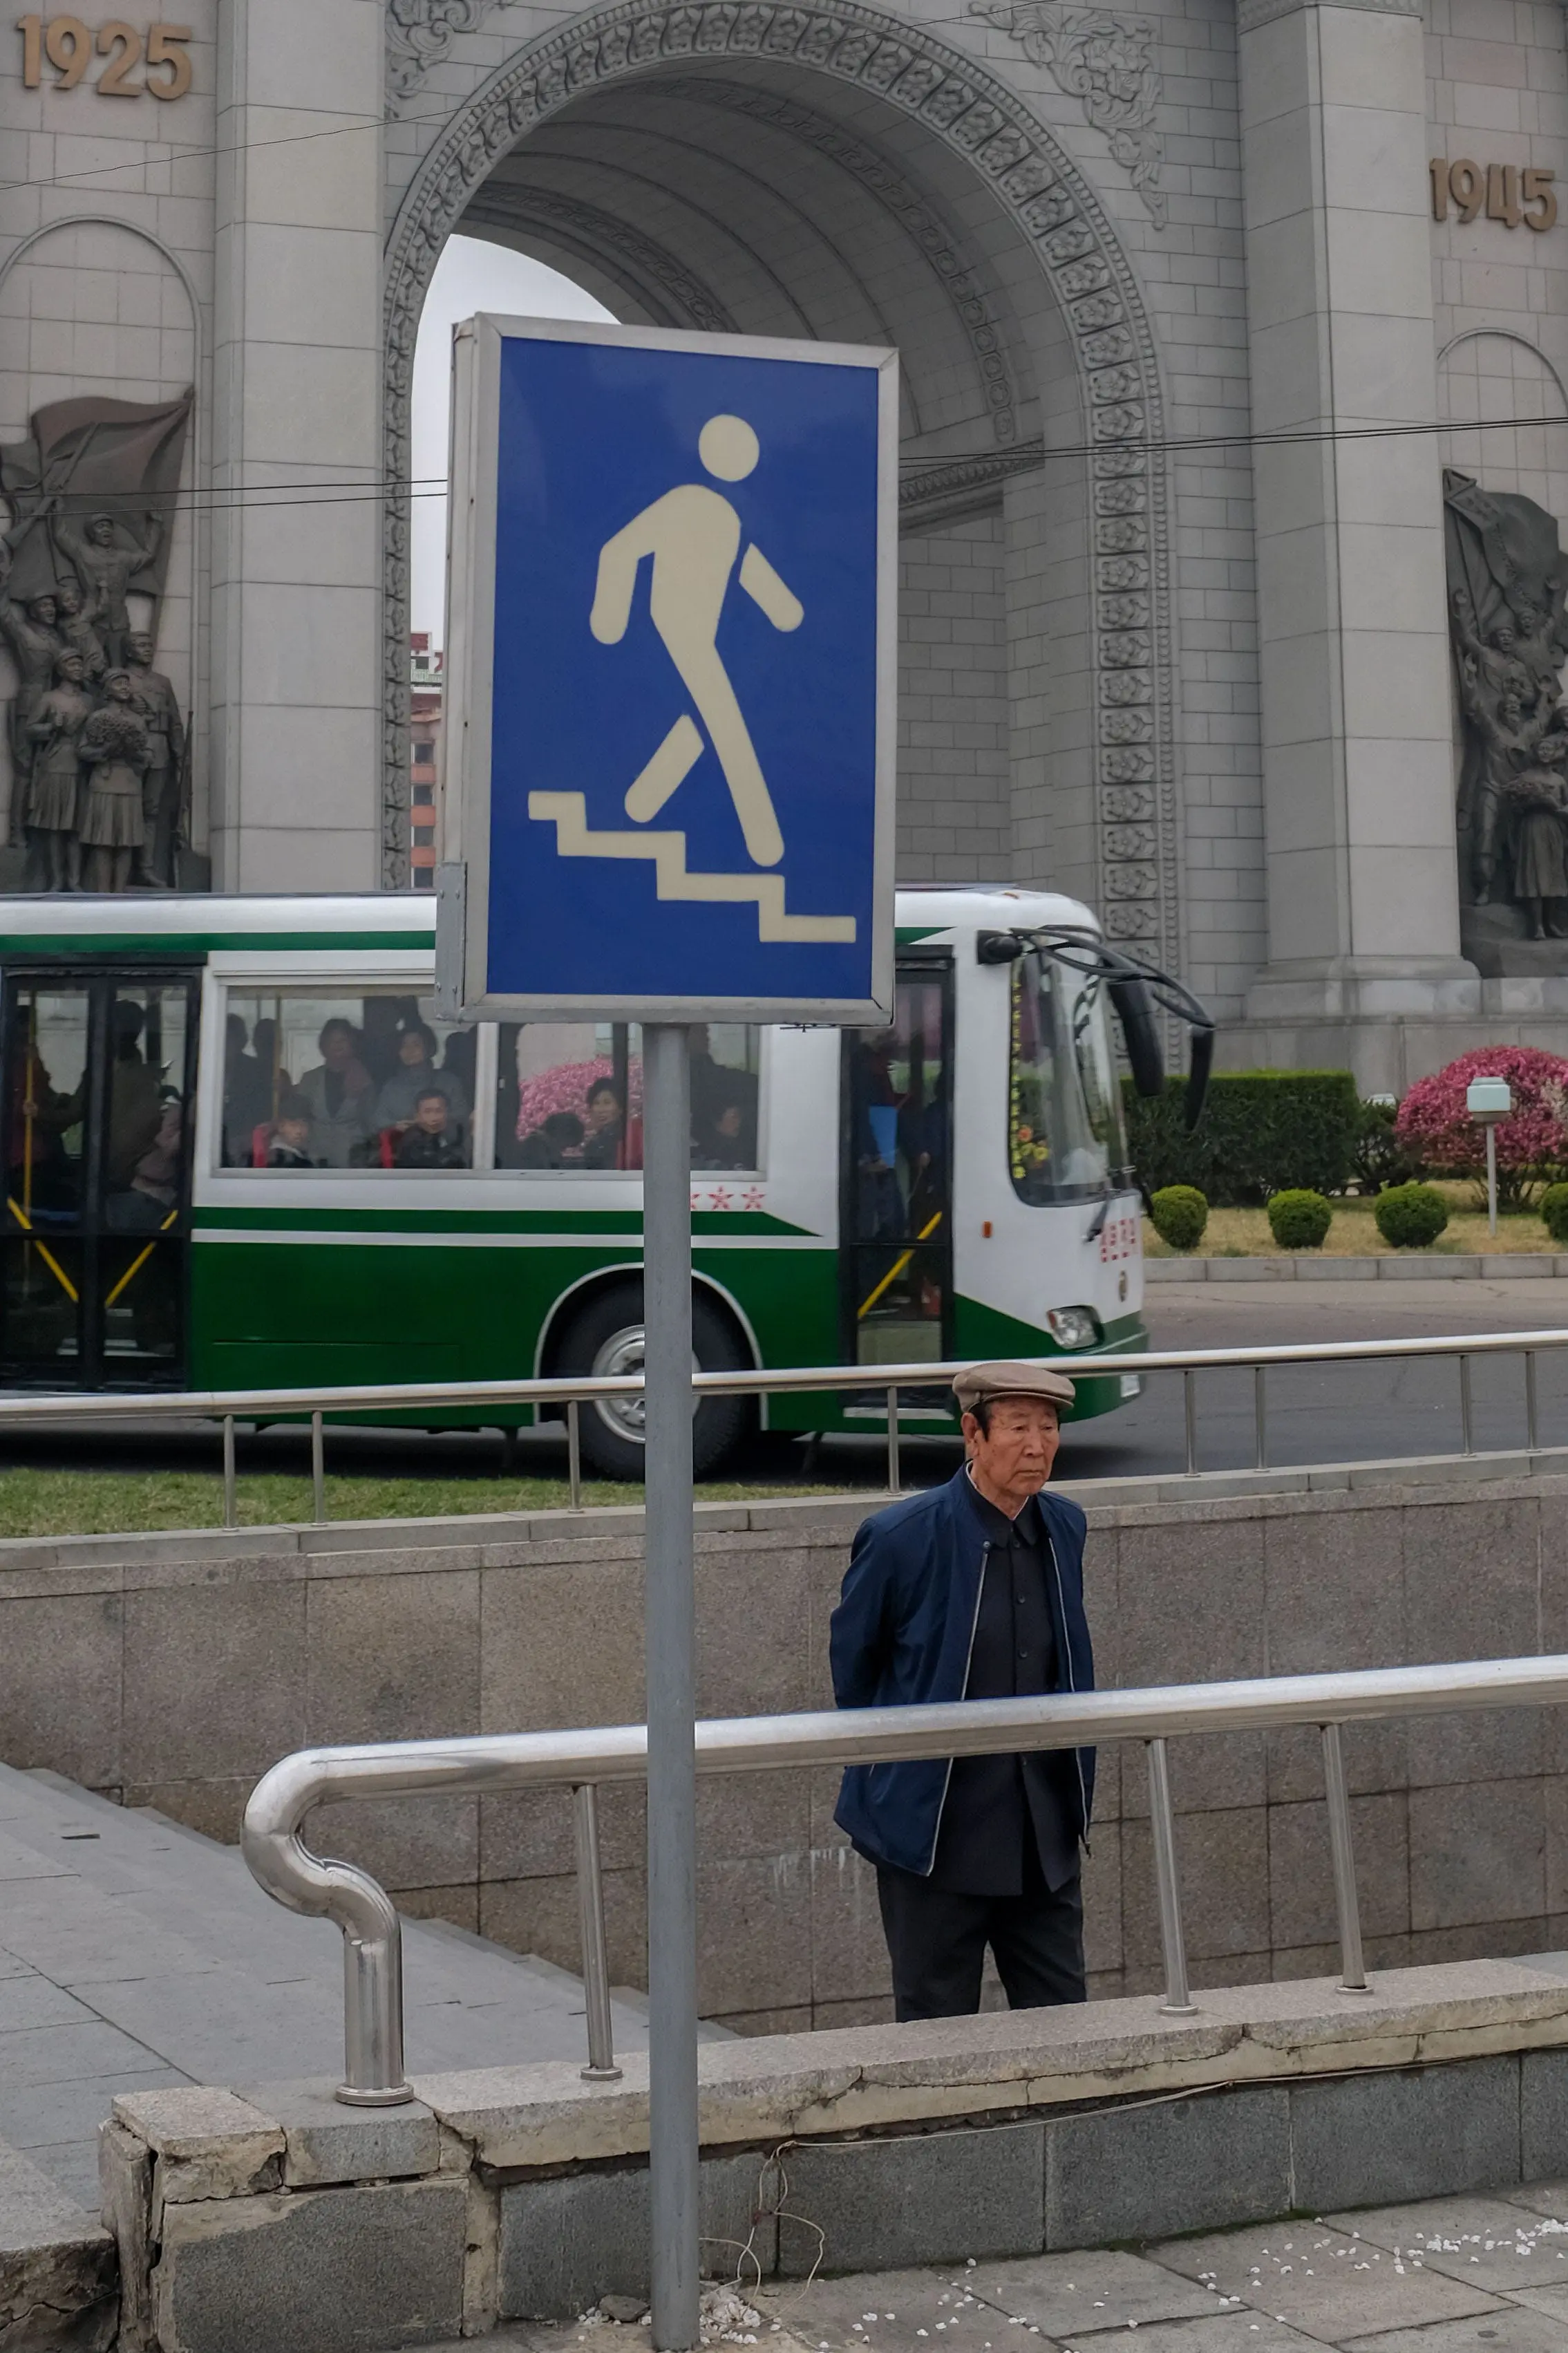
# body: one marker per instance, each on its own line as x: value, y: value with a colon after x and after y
x: 464, y: 898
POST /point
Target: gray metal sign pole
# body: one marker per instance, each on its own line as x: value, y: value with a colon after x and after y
x: 670, y: 1645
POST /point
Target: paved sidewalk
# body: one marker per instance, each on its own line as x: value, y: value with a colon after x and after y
x: 135, y: 1954
x: 1485, y: 2275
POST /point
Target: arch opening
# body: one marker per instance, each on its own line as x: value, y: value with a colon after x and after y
x: 818, y: 172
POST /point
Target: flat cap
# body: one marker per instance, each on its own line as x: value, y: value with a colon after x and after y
x: 1000, y: 1380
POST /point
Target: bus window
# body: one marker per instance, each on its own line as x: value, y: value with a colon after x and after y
x: 570, y: 1096
x: 319, y: 1080
x: 1065, y: 1137
x: 897, y: 1175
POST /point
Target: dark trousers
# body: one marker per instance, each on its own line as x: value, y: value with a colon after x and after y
x: 937, y: 1940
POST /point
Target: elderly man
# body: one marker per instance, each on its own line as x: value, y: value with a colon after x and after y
x: 974, y: 1590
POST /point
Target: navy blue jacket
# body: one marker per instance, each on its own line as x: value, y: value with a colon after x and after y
x: 902, y: 1634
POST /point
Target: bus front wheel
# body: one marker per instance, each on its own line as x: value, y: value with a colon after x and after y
x: 606, y: 1337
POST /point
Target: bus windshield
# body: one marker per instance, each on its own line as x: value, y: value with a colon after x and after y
x: 1064, y: 1136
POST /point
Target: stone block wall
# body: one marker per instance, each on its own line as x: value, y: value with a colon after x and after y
x: 954, y: 787
x: 173, y: 1672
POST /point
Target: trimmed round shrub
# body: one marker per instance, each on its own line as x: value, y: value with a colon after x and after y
x: 1555, y: 1212
x: 1178, y: 1214
x: 1410, y: 1217
x: 1299, y: 1219
x: 1435, y: 1125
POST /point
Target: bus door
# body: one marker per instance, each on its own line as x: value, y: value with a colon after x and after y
x: 895, y: 1206
x: 96, y: 1090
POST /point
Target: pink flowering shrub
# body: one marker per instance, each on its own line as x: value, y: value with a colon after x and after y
x: 1531, y: 1144
x: 565, y: 1088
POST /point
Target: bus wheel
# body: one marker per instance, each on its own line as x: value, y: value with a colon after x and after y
x: 606, y: 1337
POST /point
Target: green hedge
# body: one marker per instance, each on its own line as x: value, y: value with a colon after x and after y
x: 1261, y: 1132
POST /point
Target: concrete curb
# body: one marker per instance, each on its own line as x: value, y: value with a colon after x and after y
x: 58, y: 2267
x: 522, y: 2193
x: 1417, y: 1266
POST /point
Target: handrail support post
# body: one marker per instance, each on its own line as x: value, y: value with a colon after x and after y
x: 893, y: 1442
x: 1260, y: 1414
x: 1178, y: 2001
x: 1352, y: 1973
x: 318, y: 1468
x: 1190, y: 1415
x: 1466, y: 1407
x: 574, y: 1454
x: 601, y: 2067
x: 1531, y: 1405
x: 230, y: 1485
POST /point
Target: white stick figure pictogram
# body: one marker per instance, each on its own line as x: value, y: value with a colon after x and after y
x: 693, y: 534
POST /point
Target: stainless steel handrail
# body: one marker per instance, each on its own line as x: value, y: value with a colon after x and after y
x: 575, y: 1390
x: 582, y: 1761
x: 246, y: 1405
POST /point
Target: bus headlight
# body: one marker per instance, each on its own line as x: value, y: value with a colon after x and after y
x: 1073, y: 1327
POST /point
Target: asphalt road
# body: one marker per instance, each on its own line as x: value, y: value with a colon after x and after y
x: 1332, y: 1413
x: 1316, y: 1414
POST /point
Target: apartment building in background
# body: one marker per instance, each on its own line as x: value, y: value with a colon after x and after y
x: 424, y: 696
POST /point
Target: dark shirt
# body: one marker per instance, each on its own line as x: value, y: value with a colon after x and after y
x: 419, y: 1150
x: 997, y: 1807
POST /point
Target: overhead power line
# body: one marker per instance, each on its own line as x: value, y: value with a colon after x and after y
x: 381, y: 491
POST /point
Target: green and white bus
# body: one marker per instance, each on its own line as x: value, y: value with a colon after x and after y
x: 242, y: 1153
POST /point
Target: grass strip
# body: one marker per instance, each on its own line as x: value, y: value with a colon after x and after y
x: 114, y: 1503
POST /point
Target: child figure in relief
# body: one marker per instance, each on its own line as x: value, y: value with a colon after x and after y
x: 1539, y: 800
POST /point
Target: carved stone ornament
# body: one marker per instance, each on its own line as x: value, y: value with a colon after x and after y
x: 418, y: 32
x: 1110, y: 63
x: 1056, y: 212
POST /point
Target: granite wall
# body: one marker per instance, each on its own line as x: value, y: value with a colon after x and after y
x: 171, y: 1671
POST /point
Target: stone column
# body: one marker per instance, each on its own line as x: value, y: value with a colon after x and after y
x: 1357, y: 731
x: 297, y: 431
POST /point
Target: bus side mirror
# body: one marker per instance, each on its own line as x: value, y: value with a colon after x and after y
x: 1130, y: 998
x: 1198, y: 1078
x: 997, y: 947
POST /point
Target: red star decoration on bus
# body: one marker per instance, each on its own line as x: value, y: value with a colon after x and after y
x: 696, y: 1201
x: 753, y: 1199
x: 719, y: 1200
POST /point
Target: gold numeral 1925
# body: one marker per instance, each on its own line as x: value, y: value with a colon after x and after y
x: 67, y: 45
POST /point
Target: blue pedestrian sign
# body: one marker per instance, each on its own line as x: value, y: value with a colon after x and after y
x: 672, y: 660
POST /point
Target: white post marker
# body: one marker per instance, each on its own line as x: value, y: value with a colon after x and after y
x: 671, y: 646
x: 1489, y: 1101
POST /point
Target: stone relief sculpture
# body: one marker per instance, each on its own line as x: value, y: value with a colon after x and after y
x: 1107, y: 61
x: 100, y: 747
x: 1507, y: 606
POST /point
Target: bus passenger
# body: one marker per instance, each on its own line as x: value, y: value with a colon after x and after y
x: 247, y: 1094
x: 44, y: 1176
x: 291, y: 1144
x: 154, y: 1192
x: 555, y: 1142
x: 724, y: 1146
x: 135, y: 1098
x: 874, y: 1111
x: 398, y: 1102
x: 338, y: 1093
x: 606, y: 1125
x: 426, y: 1144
